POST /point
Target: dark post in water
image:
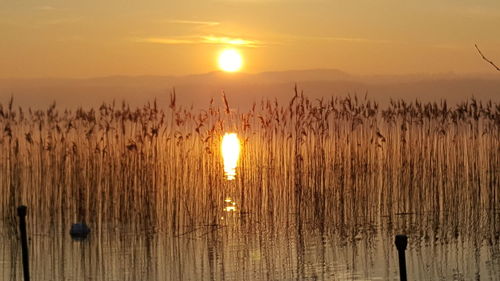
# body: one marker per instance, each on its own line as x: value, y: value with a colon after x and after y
x: 21, y: 212
x: 401, y: 242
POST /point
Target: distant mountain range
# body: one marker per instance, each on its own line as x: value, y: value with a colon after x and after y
x: 242, y: 89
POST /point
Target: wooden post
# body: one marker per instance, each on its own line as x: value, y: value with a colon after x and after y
x: 401, y: 242
x: 21, y: 212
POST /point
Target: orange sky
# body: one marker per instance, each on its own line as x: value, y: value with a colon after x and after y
x: 91, y: 38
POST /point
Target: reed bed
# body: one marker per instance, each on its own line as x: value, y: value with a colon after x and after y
x: 338, y: 164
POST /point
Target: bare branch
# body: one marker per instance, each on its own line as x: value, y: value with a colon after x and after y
x: 486, y: 59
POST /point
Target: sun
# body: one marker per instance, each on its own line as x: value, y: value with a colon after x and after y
x: 230, y: 60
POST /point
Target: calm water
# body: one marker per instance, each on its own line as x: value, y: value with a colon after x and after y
x: 320, y: 191
x: 237, y: 248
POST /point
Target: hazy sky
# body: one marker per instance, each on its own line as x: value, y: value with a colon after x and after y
x: 67, y: 38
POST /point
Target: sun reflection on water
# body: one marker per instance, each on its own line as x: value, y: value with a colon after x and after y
x: 230, y: 153
x: 230, y: 205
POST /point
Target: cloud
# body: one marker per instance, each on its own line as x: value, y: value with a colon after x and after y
x: 230, y: 41
x: 200, y: 39
x: 45, y: 8
x: 62, y: 21
x: 353, y: 39
x: 291, y: 38
x: 168, y: 41
x: 446, y: 46
x: 192, y: 22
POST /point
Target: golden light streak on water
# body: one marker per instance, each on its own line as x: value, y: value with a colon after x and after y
x: 230, y: 153
x: 230, y: 209
x: 231, y: 205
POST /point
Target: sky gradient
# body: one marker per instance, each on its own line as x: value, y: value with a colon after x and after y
x: 91, y: 38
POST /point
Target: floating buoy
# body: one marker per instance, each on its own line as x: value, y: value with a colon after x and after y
x: 79, y: 231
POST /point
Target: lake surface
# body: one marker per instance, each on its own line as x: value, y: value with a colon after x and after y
x: 319, y: 192
x: 237, y: 248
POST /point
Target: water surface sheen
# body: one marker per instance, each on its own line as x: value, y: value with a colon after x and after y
x: 319, y: 191
x: 240, y: 249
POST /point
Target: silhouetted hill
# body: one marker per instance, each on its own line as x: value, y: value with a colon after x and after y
x: 243, y: 89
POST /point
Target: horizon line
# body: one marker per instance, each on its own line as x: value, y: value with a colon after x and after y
x: 241, y: 73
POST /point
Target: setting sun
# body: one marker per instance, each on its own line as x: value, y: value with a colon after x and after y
x: 230, y: 60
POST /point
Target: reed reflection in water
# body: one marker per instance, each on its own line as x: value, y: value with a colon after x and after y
x: 322, y: 188
x: 253, y: 251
